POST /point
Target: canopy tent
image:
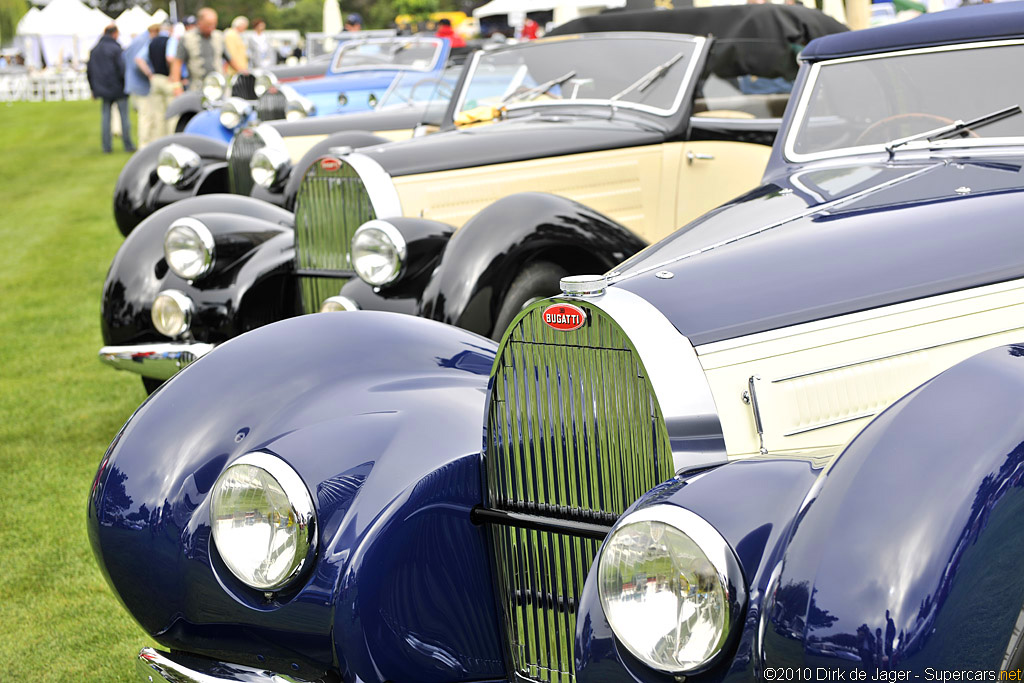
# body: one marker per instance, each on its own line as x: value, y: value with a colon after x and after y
x: 564, y: 9
x: 64, y: 30
x: 132, y: 22
x: 160, y: 17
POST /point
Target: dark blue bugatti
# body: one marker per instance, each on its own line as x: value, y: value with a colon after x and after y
x: 785, y: 443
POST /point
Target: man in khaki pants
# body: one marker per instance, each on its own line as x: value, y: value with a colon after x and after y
x: 153, y: 62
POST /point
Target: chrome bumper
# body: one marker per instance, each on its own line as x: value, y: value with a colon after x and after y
x: 154, y: 666
x: 159, y: 361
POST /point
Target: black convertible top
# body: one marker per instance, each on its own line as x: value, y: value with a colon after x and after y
x: 753, y: 39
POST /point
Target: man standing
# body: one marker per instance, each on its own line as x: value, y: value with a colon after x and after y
x: 234, y: 45
x: 202, y: 51
x: 136, y: 81
x: 106, y: 79
x: 153, y: 62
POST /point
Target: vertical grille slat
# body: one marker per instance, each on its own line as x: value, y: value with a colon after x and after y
x: 574, y: 431
x: 243, y: 147
x: 331, y: 204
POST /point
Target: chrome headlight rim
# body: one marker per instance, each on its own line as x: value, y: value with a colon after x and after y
x: 185, y: 306
x: 178, y: 165
x: 264, y: 82
x: 719, y: 554
x: 301, y: 502
x: 394, y: 235
x: 298, y: 108
x: 234, y: 111
x: 270, y: 167
x: 338, y: 304
x: 206, y: 240
x: 215, y: 87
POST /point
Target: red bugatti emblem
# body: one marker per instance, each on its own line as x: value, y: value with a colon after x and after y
x: 330, y: 164
x: 564, y: 317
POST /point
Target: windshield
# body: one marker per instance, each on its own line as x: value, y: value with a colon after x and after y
x: 635, y: 73
x: 398, y: 53
x: 909, y: 94
x: 416, y: 88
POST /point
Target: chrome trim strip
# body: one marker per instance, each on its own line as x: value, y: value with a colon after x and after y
x: 832, y: 423
x: 152, y: 664
x: 894, y: 309
x: 159, y: 361
x: 820, y: 208
x: 718, y: 552
x: 798, y: 116
x: 381, y: 188
x: 752, y: 398
x: 675, y: 373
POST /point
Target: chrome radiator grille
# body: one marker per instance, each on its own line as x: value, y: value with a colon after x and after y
x: 332, y: 202
x: 271, y: 106
x: 575, y: 433
x: 244, y: 145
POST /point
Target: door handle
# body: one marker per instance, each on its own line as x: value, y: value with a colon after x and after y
x: 690, y: 156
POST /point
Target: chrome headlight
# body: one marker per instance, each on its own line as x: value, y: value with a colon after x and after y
x: 177, y: 165
x: 172, y: 313
x: 671, y: 588
x: 269, y: 167
x: 298, y: 108
x: 264, y: 523
x: 264, y: 81
x: 214, y: 86
x: 234, y: 112
x: 189, y: 248
x: 378, y: 252
x: 337, y: 304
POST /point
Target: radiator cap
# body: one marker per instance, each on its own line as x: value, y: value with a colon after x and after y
x: 583, y: 285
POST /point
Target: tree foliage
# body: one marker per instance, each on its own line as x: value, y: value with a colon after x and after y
x: 11, y: 12
x: 417, y: 9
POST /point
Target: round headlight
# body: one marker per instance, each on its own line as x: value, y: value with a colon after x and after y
x: 264, y: 523
x: 177, y: 165
x: 264, y: 82
x: 671, y: 588
x: 297, y: 109
x: 269, y: 167
x: 378, y: 252
x: 188, y: 248
x: 214, y: 86
x: 234, y: 112
x: 337, y: 304
x: 171, y: 313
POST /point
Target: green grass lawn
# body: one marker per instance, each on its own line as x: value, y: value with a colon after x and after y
x: 59, y: 407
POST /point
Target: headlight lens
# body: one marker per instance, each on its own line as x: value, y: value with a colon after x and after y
x: 172, y: 313
x: 378, y: 252
x: 177, y: 165
x: 234, y: 113
x: 670, y: 587
x: 189, y: 248
x: 337, y: 304
x: 269, y: 167
x: 264, y: 82
x: 297, y: 109
x: 264, y: 524
x: 214, y: 86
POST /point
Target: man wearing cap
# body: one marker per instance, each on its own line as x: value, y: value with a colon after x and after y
x: 353, y: 22
x: 106, y: 80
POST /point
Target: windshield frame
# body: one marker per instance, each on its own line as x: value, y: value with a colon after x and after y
x: 338, y: 70
x: 698, y: 42
x: 789, y: 153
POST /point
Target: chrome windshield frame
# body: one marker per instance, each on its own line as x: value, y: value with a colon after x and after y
x: 337, y: 70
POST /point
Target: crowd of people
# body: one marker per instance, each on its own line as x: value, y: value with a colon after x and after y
x: 161, y: 64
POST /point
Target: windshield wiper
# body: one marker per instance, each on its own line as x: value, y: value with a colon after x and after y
x: 648, y: 79
x: 537, y: 90
x: 953, y: 129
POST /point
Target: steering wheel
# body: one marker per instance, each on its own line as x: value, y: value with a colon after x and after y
x: 866, y: 135
x: 443, y: 88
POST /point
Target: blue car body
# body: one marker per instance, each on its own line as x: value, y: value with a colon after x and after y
x: 341, y: 90
x: 463, y: 489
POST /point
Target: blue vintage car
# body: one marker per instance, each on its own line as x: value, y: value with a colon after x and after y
x: 360, y: 72
x: 784, y: 443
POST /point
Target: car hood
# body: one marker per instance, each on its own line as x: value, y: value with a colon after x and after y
x: 866, y: 234
x: 397, y: 118
x: 505, y: 141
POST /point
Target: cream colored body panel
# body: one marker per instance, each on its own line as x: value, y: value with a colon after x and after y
x: 819, y: 383
x: 623, y: 184
x: 395, y: 135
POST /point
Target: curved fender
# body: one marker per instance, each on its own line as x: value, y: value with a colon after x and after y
x: 381, y: 417
x: 207, y: 124
x: 484, y: 257
x: 350, y: 138
x: 247, y: 288
x: 909, y: 558
x: 189, y: 102
x: 139, y: 192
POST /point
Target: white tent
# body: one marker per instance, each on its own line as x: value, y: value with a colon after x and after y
x: 64, y: 30
x: 29, y: 22
x: 564, y: 9
x: 159, y: 16
x: 132, y: 22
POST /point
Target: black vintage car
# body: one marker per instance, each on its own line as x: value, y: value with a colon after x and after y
x: 421, y: 226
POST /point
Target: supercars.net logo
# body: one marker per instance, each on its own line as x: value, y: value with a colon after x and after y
x: 564, y: 317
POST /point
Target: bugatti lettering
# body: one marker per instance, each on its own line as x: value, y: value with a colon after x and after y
x: 564, y: 317
x: 330, y: 164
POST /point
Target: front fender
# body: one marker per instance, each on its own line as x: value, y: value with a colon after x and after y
x: 381, y: 417
x: 207, y: 124
x: 189, y: 102
x: 249, y: 287
x: 139, y: 192
x: 484, y: 257
x: 910, y: 555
